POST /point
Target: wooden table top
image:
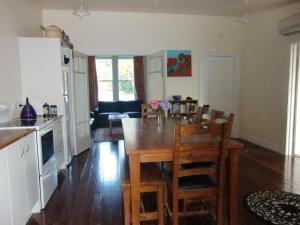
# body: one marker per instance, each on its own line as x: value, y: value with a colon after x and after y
x: 8, y: 137
x: 145, y: 136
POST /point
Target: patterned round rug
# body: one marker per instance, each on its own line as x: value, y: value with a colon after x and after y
x: 275, y: 207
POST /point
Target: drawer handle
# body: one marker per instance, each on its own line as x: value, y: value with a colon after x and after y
x: 22, y: 153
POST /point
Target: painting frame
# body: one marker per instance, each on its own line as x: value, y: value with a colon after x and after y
x: 179, y: 63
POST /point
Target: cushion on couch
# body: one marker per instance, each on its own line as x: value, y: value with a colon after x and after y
x: 131, y: 106
x: 113, y: 106
x: 105, y: 115
x: 134, y: 114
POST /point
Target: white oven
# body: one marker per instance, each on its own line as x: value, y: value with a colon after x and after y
x: 47, y: 163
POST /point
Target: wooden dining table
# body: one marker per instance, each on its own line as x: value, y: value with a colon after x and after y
x: 145, y: 141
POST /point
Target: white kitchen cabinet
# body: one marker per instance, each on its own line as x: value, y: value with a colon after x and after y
x: 31, y: 173
x: 19, y: 190
x: 17, y: 183
x: 58, y: 143
x: 5, y: 206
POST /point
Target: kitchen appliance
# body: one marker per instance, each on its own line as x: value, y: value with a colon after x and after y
x: 45, y: 152
x: 54, y: 79
x: 28, y: 111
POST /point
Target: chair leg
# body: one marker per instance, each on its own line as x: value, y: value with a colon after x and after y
x: 126, y: 202
x: 175, y: 210
x: 160, y: 204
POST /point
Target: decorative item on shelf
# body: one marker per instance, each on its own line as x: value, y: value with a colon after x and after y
x: 52, y: 31
x: 179, y: 63
x: 161, y: 107
x: 176, y: 97
x: 28, y: 111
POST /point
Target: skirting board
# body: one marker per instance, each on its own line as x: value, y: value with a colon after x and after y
x: 261, y: 142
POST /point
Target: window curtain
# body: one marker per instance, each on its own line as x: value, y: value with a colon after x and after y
x: 139, y: 74
x: 93, y: 83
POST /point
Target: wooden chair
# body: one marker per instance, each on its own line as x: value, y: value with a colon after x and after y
x: 221, y: 116
x: 147, y: 111
x: 151, y: 181
x: 199, y: 114
x: 196, y: 146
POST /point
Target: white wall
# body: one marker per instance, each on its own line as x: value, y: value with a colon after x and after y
x: 17, y: 18
x: 107, y: 33
x: 264, y: 86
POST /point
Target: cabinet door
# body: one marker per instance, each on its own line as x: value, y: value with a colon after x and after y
x: 15, y: 159
x: 5, y: 207
x: 31, y: 171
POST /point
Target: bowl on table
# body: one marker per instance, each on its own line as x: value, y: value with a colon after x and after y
x: 177, y: 97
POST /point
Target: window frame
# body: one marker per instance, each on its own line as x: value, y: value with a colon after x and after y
x: 115, y: 74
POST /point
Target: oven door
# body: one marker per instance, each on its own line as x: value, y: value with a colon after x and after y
x: 46, y: 150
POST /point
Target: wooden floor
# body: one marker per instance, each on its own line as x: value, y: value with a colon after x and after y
x: 89, y: 191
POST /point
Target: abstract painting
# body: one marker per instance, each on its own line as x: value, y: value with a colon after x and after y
x: 179, y: 63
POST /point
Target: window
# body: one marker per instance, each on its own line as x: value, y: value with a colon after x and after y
x: 115, y: 77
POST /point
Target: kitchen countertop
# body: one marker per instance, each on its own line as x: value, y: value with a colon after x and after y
x: 8, y: 137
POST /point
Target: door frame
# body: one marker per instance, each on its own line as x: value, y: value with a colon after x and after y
x: 202, y: 82
x: 293, y: 94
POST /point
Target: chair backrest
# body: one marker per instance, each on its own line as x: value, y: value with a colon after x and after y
x: 221, y: 116
x: 201, y: 110
x: 194, y: 145
x: 147, y: 111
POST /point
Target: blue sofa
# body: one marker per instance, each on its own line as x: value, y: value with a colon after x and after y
x: 104, y: 109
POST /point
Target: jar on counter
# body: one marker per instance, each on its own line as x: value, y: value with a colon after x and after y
x: 53, y: 110
x: 46, y: 110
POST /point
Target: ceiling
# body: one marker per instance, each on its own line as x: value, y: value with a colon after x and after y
x: 196, y: 7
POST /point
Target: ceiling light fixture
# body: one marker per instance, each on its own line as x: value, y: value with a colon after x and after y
x: 81, y: 12
x: 245, y: 17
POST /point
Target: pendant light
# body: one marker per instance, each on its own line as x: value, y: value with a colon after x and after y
x: 81, y: 12
x: 245, y: 17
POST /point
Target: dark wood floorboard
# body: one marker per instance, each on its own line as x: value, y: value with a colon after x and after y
x: 89, y: 190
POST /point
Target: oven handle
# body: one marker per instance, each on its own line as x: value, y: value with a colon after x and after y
x: 46, y: 130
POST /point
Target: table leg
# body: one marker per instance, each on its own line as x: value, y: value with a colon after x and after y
x: 135, y: 167
x: 110, y: 127
x: 233, y: 187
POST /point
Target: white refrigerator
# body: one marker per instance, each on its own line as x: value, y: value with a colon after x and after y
x: 46, y: 77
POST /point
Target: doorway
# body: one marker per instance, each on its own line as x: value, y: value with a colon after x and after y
x: 293, y: 111
x: 219, y: 84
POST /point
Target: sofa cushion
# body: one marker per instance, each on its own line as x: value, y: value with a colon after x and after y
x: 131, y: 106
x: 113, y: 106
x: 105, y: 115
x: 134, y: 114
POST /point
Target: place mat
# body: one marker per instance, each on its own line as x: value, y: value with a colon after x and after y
x: 275, y: 207
x: 102, y: 134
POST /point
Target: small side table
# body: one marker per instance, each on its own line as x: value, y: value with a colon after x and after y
x: 115, y: 117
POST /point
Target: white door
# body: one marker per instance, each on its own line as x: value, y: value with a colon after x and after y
x: 155, y: 77
x: 81, y: 103
x: 219, y: 86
